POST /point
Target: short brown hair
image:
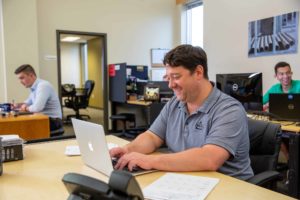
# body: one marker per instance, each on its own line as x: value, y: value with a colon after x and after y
x: 281, y: 64
x: 25, y: 68
x: 187, y: 56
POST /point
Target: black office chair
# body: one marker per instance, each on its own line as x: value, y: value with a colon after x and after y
x: 57, y: 132
x: 68, y: 90
x: 132, y: 130
x: 265, y: 140
x: 80, y: 100
x: 125, y: 118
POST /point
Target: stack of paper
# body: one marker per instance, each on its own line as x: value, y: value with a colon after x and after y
x: 12, y: 148
x: 178, y: 187
x: 11, y: 140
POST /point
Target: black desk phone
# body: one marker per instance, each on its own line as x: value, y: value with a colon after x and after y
x: 122, y: 185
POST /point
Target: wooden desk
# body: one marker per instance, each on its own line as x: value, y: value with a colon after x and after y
x: 290, y: 128
x: 28, y: 127
x: 39, y: 176
x: 142, y: 103
x: 285, y: 125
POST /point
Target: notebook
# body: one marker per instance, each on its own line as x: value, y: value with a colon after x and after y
x: 285, y: 106
x: 93, y: 147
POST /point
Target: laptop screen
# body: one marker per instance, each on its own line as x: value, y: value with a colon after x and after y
x: 285, y: 106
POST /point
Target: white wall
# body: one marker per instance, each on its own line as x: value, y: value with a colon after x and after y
x: 226, y: 37
x: 21, y: 44
x: 3, y: 91
x: 133, y: 27
x: 70, y: 63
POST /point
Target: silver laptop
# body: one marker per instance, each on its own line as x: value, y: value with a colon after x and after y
x: 93, y: 147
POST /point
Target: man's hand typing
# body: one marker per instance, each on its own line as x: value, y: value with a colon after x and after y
x: 133, y: 160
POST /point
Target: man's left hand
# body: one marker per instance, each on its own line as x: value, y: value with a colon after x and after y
x: 135, y: 159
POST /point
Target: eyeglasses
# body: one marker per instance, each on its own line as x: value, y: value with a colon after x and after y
x: 172, y: 77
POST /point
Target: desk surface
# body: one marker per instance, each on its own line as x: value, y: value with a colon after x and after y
x: 29, y: 117
x: 39, y: 176
x: 28, y: 127
x: 290, y: 128
x: 285, y: 125
x: 138, y: 102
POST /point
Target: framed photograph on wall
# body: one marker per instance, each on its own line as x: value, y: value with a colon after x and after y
x: 273, y: 35
x: 157, y: 57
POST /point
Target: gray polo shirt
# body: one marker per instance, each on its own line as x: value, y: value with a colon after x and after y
x: 221, y: 120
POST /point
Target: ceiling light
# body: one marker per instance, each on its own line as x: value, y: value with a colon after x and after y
x: 70, y: 39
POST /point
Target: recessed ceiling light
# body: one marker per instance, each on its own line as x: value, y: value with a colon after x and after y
x: 70, y: 39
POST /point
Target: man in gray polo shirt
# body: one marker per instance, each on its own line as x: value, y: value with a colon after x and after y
x: 203, y: 128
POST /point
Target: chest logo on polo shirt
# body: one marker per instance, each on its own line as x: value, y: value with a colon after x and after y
x: 199, y: 125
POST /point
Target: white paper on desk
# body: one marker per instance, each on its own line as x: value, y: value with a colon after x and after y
x: 73, y: 150
x: 180, y: 187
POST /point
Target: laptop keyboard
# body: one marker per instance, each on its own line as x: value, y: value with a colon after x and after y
x: 134, y: 169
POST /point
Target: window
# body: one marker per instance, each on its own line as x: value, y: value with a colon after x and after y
x: 194, y: 23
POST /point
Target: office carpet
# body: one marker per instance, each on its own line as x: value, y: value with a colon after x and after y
x: 96, y: 116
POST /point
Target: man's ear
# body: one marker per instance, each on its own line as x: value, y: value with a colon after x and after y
x: 200, y: 70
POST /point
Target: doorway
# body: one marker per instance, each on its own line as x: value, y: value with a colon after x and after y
x: 82, y: 56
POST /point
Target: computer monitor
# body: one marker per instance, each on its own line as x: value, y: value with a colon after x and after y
x: 165, y: 92
x: 245, y: 87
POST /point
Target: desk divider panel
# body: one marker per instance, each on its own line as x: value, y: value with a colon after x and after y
x: 117, y: 82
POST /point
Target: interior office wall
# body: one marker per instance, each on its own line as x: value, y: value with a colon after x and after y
x: 3, y: 91
x: 70, y: 63
x: 226, y: 37
x: 95, y: 66
x: 20, y: 43
x: 133, y: 27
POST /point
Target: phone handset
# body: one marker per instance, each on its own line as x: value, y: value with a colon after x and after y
x: 122, y: 185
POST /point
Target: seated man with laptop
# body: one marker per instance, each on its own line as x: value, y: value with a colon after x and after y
x: 282, y: 99
x: 283, y: 73
x: 42, y: 97
x: 204, y: 129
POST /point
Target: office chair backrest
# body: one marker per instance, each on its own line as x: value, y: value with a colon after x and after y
x: 68, y: 89
x: 265, y: 140
x: 89, y: 86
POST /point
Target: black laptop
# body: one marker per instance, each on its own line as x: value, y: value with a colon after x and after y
x: 285, y: 106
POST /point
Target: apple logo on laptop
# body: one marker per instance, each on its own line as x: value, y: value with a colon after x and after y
x: 90, y: 146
